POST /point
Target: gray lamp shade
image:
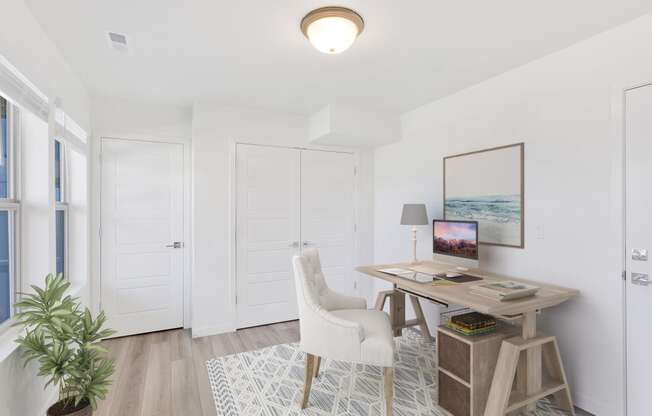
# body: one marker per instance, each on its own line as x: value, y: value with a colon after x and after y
x: 414, y: 214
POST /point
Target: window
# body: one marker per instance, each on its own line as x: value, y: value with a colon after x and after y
x: 6, y: 287
x: 61, y: 216
x: 4, y: 147
x: 58, y: 174
x: 8, y: 210
x: 61, y: 241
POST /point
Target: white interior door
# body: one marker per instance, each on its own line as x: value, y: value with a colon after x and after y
x: 328, y: 214
x: 141, y: 218
x: 638, y: 237
x: 267, y: 233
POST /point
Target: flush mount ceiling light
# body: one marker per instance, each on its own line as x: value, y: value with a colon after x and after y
x: 332, y: 29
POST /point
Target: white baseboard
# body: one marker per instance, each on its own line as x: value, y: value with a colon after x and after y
x: 212, y: 330
x: 598, y: 407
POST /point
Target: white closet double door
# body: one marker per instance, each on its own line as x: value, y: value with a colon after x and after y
x: 288, y: 200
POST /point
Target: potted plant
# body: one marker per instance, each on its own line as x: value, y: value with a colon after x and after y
x: 65, y: 342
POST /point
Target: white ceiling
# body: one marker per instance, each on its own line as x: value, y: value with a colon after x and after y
x: 249, y: 52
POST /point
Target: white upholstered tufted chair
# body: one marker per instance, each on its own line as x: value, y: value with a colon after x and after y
x: 339, y: 327
x: 329, y: 300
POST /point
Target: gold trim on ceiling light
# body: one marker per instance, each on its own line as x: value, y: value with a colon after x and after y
x: 331, y: 11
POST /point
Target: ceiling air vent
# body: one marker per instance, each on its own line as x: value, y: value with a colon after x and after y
x: 118, y: 42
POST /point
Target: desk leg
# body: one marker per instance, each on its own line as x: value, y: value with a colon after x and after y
x: 533, y: 363
x: 527, y: 352
x: 521, y: 378
x: 421, y: 319
x: 397, y: 312
x: 528, y: 373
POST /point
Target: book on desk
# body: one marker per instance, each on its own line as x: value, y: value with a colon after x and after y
x: 504, y: 290
x: 473, y: 323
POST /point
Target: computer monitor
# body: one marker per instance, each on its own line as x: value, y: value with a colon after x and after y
x: 456, y: 243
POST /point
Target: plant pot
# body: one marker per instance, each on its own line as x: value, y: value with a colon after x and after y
x: 61, y: 409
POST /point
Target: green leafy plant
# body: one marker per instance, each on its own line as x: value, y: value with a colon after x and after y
x: 65, y: 342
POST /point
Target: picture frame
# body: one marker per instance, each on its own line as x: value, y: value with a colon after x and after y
x: 488, y: 186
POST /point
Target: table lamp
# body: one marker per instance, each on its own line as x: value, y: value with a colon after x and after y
x: 414, y: 214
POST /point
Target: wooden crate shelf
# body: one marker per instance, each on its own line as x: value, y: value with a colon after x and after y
x: 466, y: 367
x: 519, y: 400
x: 509, y: 393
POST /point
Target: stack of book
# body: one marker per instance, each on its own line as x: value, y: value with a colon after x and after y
x: 473, y: 323
x: 505, y: 290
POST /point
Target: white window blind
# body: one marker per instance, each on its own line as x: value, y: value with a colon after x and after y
x: 15, y: 87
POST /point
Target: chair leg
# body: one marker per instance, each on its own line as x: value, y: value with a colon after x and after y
x: 310, y: 364
x: 389, y: 390
x: 317, y: 364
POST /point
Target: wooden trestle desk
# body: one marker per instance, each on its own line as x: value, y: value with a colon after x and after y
x: 538, y: 349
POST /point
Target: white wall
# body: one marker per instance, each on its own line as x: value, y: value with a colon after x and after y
x: 345, y: 125
x: 127, y: 118
x: 213, y: 128
x: 25, y: 45
x: 560, y: 107
x: 78, y: 220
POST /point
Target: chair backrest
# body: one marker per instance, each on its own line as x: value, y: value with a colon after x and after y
x: 322, y: 333
x: 309, y: 279
x: 314, y: 263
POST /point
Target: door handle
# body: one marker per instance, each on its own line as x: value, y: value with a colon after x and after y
x: 307, y: 243
x: 294, y: 244
x: 176, y: 244
x: 641, y: 279
x: 639, y: 254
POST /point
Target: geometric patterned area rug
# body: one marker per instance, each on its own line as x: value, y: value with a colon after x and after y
x: 269, y: 382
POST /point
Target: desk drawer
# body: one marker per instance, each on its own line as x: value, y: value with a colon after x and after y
x: 454, y: 356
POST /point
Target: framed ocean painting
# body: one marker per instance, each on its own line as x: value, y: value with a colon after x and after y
x: 487, y: 186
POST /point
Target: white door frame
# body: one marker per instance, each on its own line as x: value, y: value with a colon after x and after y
x: 96, y: 246
x: 617, y: 201
x: 233, y: 144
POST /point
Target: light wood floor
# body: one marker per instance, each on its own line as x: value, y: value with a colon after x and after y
x: 164, y: 374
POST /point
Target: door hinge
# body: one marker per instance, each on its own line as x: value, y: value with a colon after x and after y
x: 355, y: 170
x: 99, y: 231
x: 236, y: 298
x: 624, y: 275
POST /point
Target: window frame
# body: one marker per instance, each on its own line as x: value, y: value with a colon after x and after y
x: 62, y: 205
x: 11, y: 204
